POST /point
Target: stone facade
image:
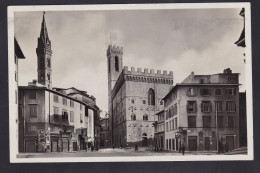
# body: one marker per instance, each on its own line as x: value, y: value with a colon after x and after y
x: 134, y: 100
x: 203, y: 112
x: 61, y: 117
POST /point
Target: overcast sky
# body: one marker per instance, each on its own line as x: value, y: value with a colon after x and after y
x: 181, y: 41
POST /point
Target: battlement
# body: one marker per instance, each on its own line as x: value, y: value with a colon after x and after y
x: 115, y: 49
x: 148, y: 73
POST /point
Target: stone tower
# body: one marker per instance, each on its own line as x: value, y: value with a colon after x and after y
x: 44, y: 54
x: 114, y: 67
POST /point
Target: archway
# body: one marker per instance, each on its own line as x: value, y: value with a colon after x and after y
x: 144, y: 140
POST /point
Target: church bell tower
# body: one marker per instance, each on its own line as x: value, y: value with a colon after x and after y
x: 44, y: 54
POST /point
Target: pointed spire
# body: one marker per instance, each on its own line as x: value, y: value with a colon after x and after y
x: 44, y: 32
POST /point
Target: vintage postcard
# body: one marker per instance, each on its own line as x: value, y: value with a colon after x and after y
x: 146, y: 82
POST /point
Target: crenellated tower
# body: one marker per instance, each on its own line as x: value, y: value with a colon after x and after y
x: 44, y: 54
x: 114, y: 68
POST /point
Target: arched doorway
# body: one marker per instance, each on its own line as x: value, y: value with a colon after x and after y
x: 144, y: 140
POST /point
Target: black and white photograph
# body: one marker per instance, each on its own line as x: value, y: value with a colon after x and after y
x: 144, y: 82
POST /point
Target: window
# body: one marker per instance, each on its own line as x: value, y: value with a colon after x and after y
x: 55, y: 98
x: 221, y: 121
x: 132, y: 101
x: 15, y: 76
x: 151, y: 97
x: 176, y: 125
x: 161, y: 102
x: 231, y: 78
x: 167, y: 127
x: 231, y: 91
x: 64, y: 101
x: 166, y: 144
x: 116, y: 63
x: 64, y: 115
x: 230, y: 106
x: 144, y: 102
x: 190, y: 92
x: 219, y: 106
x: 167, y: 114
x: 72, y: 103
x: 49, y: 63
x: 32, y: 128
x: 202, y: 81
x: 81, y: 118
x: 206, y: 106
x: 32, y: 95
x: 145, y: 117
x: 170, y: 124
x: 231, y: 122
x: 48, y: 76
x: 56, y: 111
x: 42, y: 76
x: 33, y: 110
x: 205, y: 92
x: 206, y: 121
x: 192, y: 121
x: 173, y: 127
x: 71, y: 116
x: 133, y: 117
x: 191, y: 106
x: 175, y: 110
x: 218, y: 91
x: 170, y: 144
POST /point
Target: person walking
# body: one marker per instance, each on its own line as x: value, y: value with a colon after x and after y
x: 183, y: 149
x: 136, y: 147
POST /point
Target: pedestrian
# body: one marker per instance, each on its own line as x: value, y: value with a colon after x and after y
x: 113, y: 147
x: 136, y: 147
x: 183, y: 149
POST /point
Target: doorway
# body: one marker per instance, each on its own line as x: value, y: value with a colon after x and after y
x: 207, y: 143
x: 192, y: 140
x: 144, y: 140
x: 230, y: 143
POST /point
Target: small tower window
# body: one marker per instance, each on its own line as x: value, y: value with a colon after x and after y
x: 151, y: 97
x: 116, y: 63
x: 133, y: 117
x: 48, y: 76
x: 145, y: 117
x: 49, y: 63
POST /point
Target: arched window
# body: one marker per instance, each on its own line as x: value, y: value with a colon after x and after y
x: 151, y: 97
x: 133, y: 117
x: 145, y: 117
x: 116, y: 63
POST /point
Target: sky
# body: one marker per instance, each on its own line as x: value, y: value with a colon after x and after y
x: 178, y: 40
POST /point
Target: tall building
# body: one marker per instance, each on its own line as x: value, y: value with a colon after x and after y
x: 44, y: 54
x: 202, y: 113
x: 50, y: 121
x: 241, y: 40
x: 55, y: 119
x: 134, y: 98
x: 18, y: 54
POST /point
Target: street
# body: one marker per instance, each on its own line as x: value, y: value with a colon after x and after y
x: 109, y: 152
